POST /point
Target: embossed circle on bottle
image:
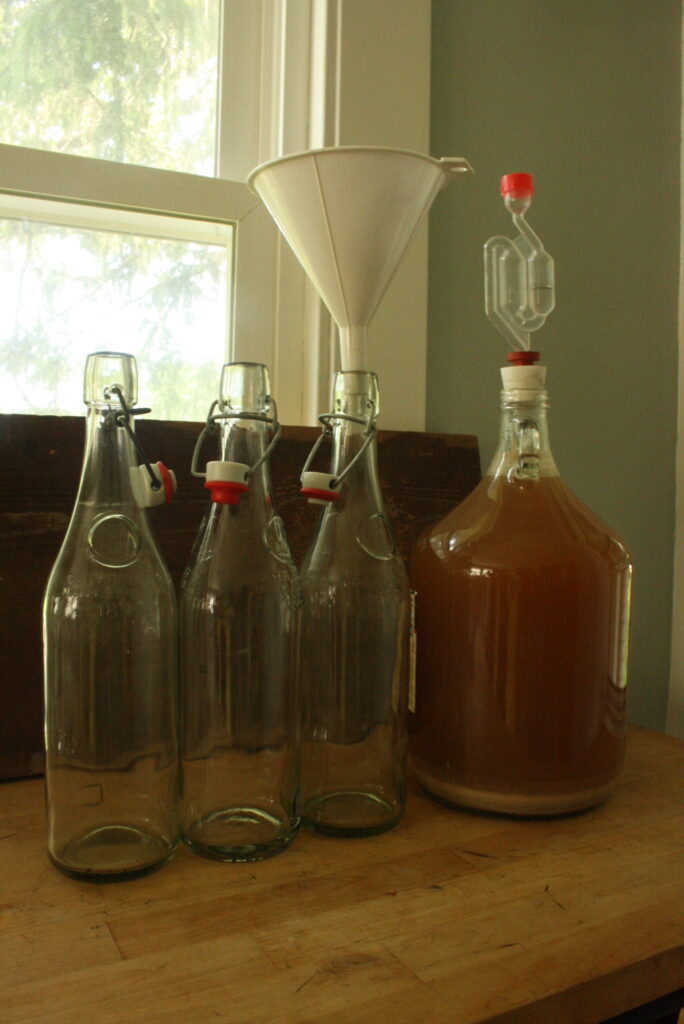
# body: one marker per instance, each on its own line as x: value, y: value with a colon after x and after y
x: 114, y: 540
x: 376, y: 538
x: 275, y: 540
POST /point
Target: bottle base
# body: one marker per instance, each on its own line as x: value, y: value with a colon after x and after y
x: 352, y: 814
x: 510, y: 804
x: 113, y: 853
x: 240, y: 834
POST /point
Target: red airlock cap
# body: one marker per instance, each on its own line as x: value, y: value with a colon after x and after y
x: 522, y: 358
x: 517, y: 185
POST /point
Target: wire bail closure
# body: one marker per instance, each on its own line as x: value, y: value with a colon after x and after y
x: 322, y: 488
x: 150, y: 488
x: 228, y: 481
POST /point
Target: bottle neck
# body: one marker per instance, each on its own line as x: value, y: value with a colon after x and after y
x: 108, y: 460
x: 355, y: 407
x: 245, y: 441
x: 524, y: 451
x: 360, y: 489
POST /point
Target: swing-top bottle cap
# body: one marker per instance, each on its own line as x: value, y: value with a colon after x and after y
x: 318, y: 488
x: 518, y: 186
x: 226, y: 482
x: 104, y: 369
x: 146, y: 494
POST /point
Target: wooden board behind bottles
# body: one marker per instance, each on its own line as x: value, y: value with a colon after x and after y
x: 423, y: 476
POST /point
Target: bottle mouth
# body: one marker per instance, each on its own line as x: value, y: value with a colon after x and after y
x: 527, y: 397
x: 106, y: 370
x: 356, y: 393
x: 245, y: 387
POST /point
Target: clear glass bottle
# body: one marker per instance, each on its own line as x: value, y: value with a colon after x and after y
x: 355, y: 633
x: 109, y: 628
x: 522, y: 633
x: 240, y: 604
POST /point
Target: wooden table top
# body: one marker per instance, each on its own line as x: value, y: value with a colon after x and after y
x: 452, y: 918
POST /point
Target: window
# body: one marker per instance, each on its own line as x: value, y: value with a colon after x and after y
x: 94, y: 280
x: 106, y: 149
x: 133, y: 82
x: 110, y: 236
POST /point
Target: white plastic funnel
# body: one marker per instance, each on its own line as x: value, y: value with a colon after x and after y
x: 348, y: 213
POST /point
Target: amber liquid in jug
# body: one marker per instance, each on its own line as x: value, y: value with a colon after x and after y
x: 522, y: 623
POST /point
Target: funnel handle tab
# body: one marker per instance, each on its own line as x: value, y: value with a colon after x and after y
x: 456, y: 165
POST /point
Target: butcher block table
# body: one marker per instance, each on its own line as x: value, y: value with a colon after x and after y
x: 452, y: 918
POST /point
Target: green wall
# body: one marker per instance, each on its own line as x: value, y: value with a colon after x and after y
x: 585, y: 95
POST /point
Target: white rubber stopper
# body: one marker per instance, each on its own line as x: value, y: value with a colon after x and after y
x: 227, y: 472
x: 145, y: 494
x: 524, y: 378
x: 318, y: 488
x: 226, y: 481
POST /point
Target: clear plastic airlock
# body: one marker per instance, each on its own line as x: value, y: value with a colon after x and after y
x: 519, y: 276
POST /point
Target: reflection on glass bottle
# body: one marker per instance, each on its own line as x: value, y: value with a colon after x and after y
x: 109, y: 627
x: 523, y: 620
x: 355, y: 630
x: 239, y: 617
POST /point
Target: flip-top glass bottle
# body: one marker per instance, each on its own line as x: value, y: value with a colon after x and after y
x: 109, y: 627
x: 522, y: 631
x: 239, y: 617
x: 355, y: 633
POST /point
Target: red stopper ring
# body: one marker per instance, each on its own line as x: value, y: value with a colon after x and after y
x: 167, y: 481
x: 517, y: 185
x: 316, y: 494
x: 522, y: 358
x: 225, y: 492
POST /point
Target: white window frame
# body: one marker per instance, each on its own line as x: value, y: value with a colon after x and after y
x: 295, y: 74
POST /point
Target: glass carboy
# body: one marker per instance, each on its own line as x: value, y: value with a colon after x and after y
x: 522, y: 631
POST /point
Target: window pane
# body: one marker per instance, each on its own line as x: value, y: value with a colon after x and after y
x: 127, y: 80
x: 71, y: 291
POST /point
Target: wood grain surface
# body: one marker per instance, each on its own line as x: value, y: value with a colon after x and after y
x: 452, y: 918
x: 423, y: 476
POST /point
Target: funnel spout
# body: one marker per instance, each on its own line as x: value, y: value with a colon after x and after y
x: 354, y: 347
